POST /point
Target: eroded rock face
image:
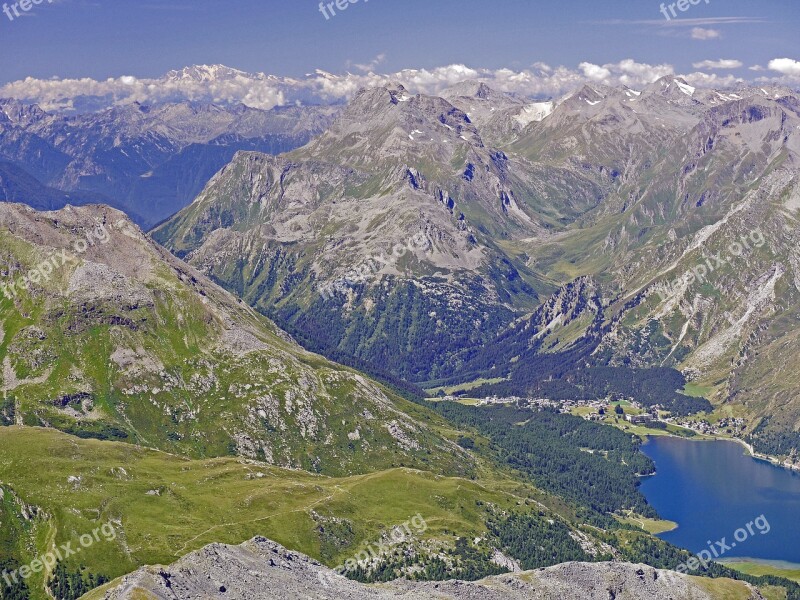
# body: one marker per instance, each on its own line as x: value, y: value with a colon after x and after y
x: 264, y: 570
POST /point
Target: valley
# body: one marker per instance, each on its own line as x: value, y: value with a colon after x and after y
x: 256, y: 338
x: 504, y: 292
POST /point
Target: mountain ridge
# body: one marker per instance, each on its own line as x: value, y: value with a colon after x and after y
x: 587, y: 191
x: 237, y: 572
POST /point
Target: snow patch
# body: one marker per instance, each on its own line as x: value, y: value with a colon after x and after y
x: 685, y: 88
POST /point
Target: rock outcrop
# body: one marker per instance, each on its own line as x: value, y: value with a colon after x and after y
x: 264, y: 570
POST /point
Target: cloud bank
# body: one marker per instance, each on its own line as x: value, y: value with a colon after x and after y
x: 224, y: 85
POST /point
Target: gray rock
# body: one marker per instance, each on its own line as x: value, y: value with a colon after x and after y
x: 264, y: 570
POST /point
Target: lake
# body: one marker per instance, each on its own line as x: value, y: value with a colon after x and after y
x: 713, y: 488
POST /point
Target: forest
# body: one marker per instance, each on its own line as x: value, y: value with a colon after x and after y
x: 595, y: 466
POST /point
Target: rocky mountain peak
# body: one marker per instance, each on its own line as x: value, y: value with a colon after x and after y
x: 19, y: 113
x: 474, y: 89
x: 262, y: 570
x: 588, y: 97
x: 674, y: 88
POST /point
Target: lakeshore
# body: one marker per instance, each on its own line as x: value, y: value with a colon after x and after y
x: 758, y: 567
x: 712, y: 490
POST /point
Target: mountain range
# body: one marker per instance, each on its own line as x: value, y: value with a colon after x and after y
x: 149, y: 161
x: 219, y: 322
x: 620, y: 190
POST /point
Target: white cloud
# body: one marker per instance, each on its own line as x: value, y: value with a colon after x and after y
x: 229, y: 86
x: 700, y: 33
x: 626, y: 72
x: 712, y: 80
x: 786, y: 66
x: 372, y: 65
x: 678, y: 23
x: 594, y: 72
x: 635, y: 74
x: 718, y: 64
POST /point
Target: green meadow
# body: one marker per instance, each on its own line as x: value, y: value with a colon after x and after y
x: 164, y: 506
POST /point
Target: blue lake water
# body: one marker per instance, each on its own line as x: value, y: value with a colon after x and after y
x: 712, y: 489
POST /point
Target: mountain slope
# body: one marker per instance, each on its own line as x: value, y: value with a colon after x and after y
x: 368, y: 239
x: 57, y: 487
x: 120, y: 340
x: 500, y: 117
x: 630, y: 189
x: 700, y: 251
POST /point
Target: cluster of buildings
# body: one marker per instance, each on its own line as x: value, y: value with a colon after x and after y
x: 563, y: 406
x: 727, y: 426
x: 642, y: 419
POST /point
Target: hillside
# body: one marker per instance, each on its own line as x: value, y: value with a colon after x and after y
x: 55, y: 487
x: 123, y: 341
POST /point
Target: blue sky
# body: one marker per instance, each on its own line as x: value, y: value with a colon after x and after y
x: 109, y: 38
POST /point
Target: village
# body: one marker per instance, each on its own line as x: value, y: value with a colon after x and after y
x: 630, y: 415
x: 600, y: 410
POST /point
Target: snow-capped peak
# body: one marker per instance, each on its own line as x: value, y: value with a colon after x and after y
x: 208, y: 73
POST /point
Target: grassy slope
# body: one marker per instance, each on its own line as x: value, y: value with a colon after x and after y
x: 758, y: 568
x: 221, y: 500
x: 161, y: 373
x: 724, y: 589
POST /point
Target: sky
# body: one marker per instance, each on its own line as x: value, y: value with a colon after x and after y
x: 102, y: 39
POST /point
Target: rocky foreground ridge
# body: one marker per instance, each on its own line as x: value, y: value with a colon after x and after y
x: 264, y: 570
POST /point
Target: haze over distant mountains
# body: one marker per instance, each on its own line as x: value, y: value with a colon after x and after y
x: 149, y: 161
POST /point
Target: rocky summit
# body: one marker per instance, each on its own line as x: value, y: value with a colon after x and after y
x: 263, y: 570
